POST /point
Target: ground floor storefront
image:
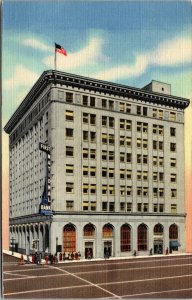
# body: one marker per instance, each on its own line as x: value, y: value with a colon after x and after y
x: 98, y: 236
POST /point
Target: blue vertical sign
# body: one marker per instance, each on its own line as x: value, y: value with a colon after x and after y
x: 45, y: 205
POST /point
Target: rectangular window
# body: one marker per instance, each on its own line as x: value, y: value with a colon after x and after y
x: 104, y: 206
x: 69, y: 133
x: 128, y: 108
x: 155, y: 191
x: 155, y: 207
x: 173, y: 162
x: 85, y: 170
x: 85, y: 118
x: 145, y: 127
x: 160, y: 114
x: 111, y: 173
x: 104, y: 103
x: 93, y: 206
x: 111, y: 139
x: 128, y: 141
x: 104, y: 172
x: 93, y: 137
x: 139, y: 191
x: 161, y: 161
x: 122, y: 173
x: 138, y: 143
x: 161, y: 192
x: 161, y: 208
x: 104, y: 121
x: 69, y: 187
x: 69, y: 97
x: 161, y: 130
x: 85, y: 205
x: 111, y: 155
x: 172, y: 131
x: 145, y: 175
x: 139, y: 126
x: 161, y: 176
x: 173, y: 208
x: 85, y: 188
x: 69, y: 205
x: 85, y: 100
x: 122, y: 140
x: 139, y: 158
x: 122, y: 190
x: 104, y: 138
x: 138, y: 110
x: 129, y: 174
x: 139, y: 207
x: 172, y: 147
x: 92, y: 119
x: 122, y: 106
x: 85, y: 153
x: 145, y: 159
x: 155, y: 129
x: 111, y: 122
x: 122, y: 124
x: 129, y: 207
x: 145, y: 111
x: 129, y: 191
x: 128, y: 124
x: 104, y: 189
x: 145, y: 144
x: 172, y: 116
x: 92, y: 101
x: 69, y: 115
x: 154, y: 145
x: 92, y: 153
x: 93, y: 189
x: 70, y: 169
x: 69, y: 151
x: 139, y: 175
x: 173, y: 178
x: 122, y: 206
x: 111, y: 206
x: 154, y: 176
x: 111, y: 104
x: 111, y: 190
x: 122, y: 157
x: 85, y: 135
x: 145, y: 192
x: 104, y: 155
x: 145, y: 207
x: 161, y: 146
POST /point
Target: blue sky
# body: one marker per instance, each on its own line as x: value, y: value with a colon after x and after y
x: 125, y: 42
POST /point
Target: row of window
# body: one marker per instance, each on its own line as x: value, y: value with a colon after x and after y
x: 123, y: 207
x: 123, y: 106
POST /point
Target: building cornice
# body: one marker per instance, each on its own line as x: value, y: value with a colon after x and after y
x: 67, y: 79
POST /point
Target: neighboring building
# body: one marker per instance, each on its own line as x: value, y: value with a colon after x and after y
x: 112, y: 176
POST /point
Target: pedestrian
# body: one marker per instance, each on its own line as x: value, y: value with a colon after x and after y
x: 151, y: 252
x: 72, y: 256
x: 63, y: 255
x: 167, y: 251
x: 60, y: 256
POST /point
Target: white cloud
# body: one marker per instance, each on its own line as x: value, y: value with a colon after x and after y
x: 171, y: 53
x: 37, y: 45
x: 21, y: 77
x: 91, y: 54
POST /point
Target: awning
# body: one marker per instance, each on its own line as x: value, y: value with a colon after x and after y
x: 174, y: 244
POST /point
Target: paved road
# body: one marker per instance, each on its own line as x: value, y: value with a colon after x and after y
x: 151, y: 277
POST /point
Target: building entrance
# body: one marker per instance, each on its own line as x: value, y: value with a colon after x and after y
x: 107, y: 249
x: 88, y: 250
x: 158, y: 247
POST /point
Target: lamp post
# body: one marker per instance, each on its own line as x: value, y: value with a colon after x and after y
x: 12, y: 243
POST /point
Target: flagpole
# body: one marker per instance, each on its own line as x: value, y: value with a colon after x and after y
x: 55, y: 58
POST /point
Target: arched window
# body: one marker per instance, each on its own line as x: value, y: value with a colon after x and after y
x: 69, y: 238
x: 125, y: 238
x: 142, y: 237
x: 107, y: 231
x: 89, y: 230
x: 173, y: 232
x: 158, y: 229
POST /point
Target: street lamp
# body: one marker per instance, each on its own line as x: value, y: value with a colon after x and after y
x: 12, y: 243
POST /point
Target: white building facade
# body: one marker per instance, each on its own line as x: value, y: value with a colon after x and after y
x: 113, y: 180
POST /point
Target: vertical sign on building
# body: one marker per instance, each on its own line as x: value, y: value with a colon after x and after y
x: 45, y: 205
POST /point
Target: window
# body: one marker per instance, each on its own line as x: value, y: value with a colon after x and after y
x: 111, y: 104
x: 69, y: 239
x: 92, y: 119
x: 161, y: 208
x: 161, y: 146
x: 85, y: 170
x: 111, y: 122
x: 111, y: 155
x: 161, y: 192
x: 93, y: 136
x: 122, y: 157
x: 122, y: 124
x: 129, y: 207
x: 155, y: 191
x: 111, y: 173
x: 173, y: 193
x: 92, y: 153
x: 122, y: 206
x: 155, y: 207
x: 128, y: 125
x: 172, y: 147
x: 139, y: 191
x: 129, y: 191
x: 85, y: 188
x: 139, y: 110
x: 111, y: 206
x: 104, y: 138
x: 85, y: 118
x: 104, y: 155
x: 138, y: 143
x: 125, y: 238
x: 161, y: 176
x: 69, y: 115
x: 69, y: 187
x: 161, y: 130
x: 145, y: 144
x: 155, y: 129
x: 85, y: 100
x: 139, y: 175
x: 154, y: 145
x: 69, y: 97
x: 69, y: 151
x: 111, y: 139
x: 145, y: 127
x: 161, y: 161
x: 129, y: 174
x: 92, y: 101
x: 122, y: 190
x: 104, y: 206
x: 173, y: 208
x: 172, y: 131
x: 142, y: 237
x: 139, y: 126
x: 69, y: 133
x: 122, y: 174
x: 154, y: 176
x: 69, y: 205
x: 145, y: 159
x: 93, y: 189
x: 139, y: 157
x: 104, y: 103
x: 128, y: 141
x: 121, y: 106
x: 173, y: 178
x: 139, y: 207
x: 104, y: 121
x: 122, y: 140
x: 70, y: 169
x: 104, y: 172
x: 145, y: 207
x: 173, y: 162
x: 111, y: 190
x: 104, y: 189
x: 128, y: 108
x: 93, y: 206
x: 85, y: 153
x: 145, y: 110
x: 172, y: 116
x: 85, y: 136
x: 145, y: 175
x: 173, y: 232
x: 145, y: 192
x: 85, y: 205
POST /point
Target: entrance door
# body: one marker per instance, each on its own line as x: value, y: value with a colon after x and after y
x: 107, y: 248
x: 158, y: 247
x: 88, y: 250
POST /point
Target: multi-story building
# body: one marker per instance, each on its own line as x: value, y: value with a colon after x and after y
x: 111, y: 178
